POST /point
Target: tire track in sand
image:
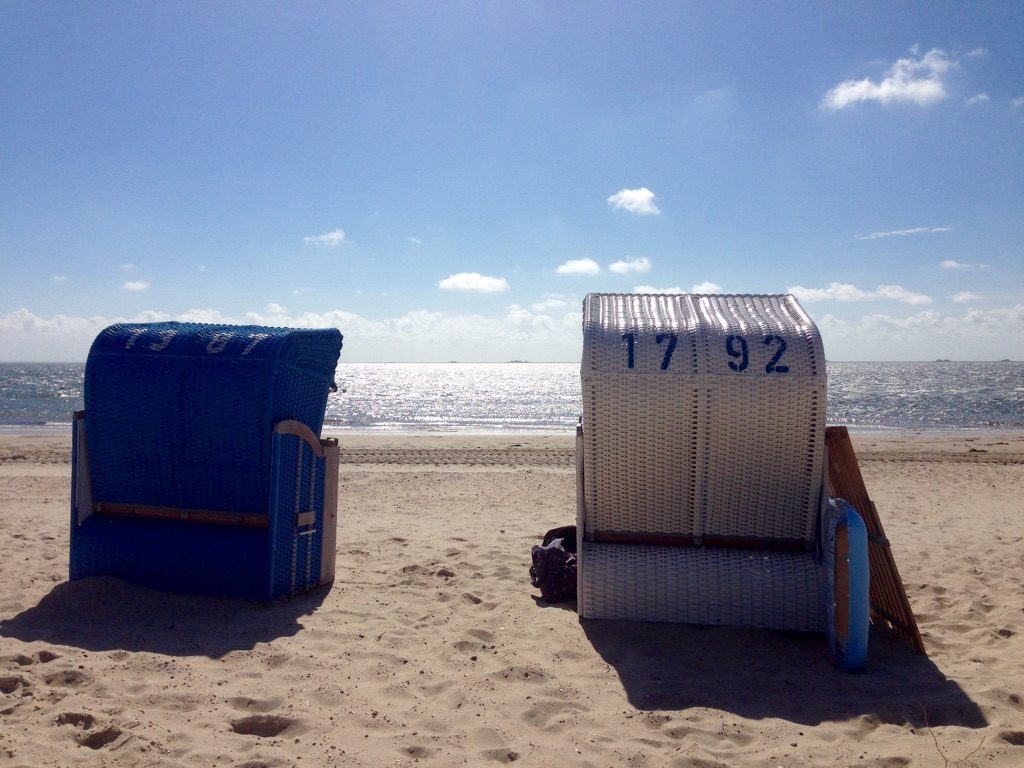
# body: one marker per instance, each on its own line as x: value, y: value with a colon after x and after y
x: 566, y: 457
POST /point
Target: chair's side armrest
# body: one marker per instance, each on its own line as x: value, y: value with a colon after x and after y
x: 300, y: 430
x: 286, y: 504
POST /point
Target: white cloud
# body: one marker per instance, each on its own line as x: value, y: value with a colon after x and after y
x: 521, y: 318
x: 474, y: 281
x: 964, y: 296
x: 211, y: 316
x: 977, y: 53
x: 414, y: 240
x: 59, y: 278
x: 977, y: 334
x: 998, y: 317
x: 927, y: 319
x: 914, y: 80
x: 519, y: 333
x: 899, y: 293
x: 904, y: 232
x: 978, y: 98
x: 954, y: 264
x: 706, y: 287
x: 652, y: 289
x: 135, y: 285
x: 426, y: 335
x: 640, y: 265
x: 128, y: 267
x: 550, y: 301
x: 276, y: 309
x: 329, y: 239
x: 1018, y: 101
x: 638, y: 201
x: 834, y: 292
x: 579, y: 267
x: 847, y: 292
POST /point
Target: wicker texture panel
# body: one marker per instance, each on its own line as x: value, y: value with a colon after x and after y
x: 299, y: 487
x: 703, y: 415
x: 187, y: 557
x: 180, y: 413
x: 694, y: 585
x: 224, y: 560
x: 644, y: 464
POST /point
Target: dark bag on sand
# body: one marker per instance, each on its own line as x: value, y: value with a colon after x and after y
x: 554, y: 565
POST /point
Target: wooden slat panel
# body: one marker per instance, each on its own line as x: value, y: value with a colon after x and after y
x: 725, y: 542
x: 889, y: 601
x: 174, y: 513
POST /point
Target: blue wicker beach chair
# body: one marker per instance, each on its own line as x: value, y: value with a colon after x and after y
x: 197, y: 461
x: 701, y: 463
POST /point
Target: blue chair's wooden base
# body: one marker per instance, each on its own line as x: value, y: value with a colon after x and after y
x: 288, y: 550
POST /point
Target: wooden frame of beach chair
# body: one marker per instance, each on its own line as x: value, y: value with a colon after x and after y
x: 701, y: 461
x: 191, y: 475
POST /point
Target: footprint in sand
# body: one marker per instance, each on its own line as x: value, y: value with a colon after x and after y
x: 78, y: 719
x: 547, y: 712
x: 417, y: 751
x: 468, y: 646
x: 101, y: 738
x: 67, y: 678
x: 262, y: 725
x: 278, y: 660
x: 486, y: 605
x: 39, y: 657
x: 11, y: 683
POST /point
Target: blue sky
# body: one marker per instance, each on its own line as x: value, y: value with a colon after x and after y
x: 448, y: 180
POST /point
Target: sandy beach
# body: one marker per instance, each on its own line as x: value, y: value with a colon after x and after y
x: 432, y: 648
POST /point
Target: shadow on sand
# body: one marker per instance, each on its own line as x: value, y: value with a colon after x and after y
x: 103, y: 613
x: 760, y: 674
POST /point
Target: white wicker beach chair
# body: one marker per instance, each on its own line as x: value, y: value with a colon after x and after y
x: 700, y: 462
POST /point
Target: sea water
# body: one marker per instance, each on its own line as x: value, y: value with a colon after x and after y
x: 545, y: 397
